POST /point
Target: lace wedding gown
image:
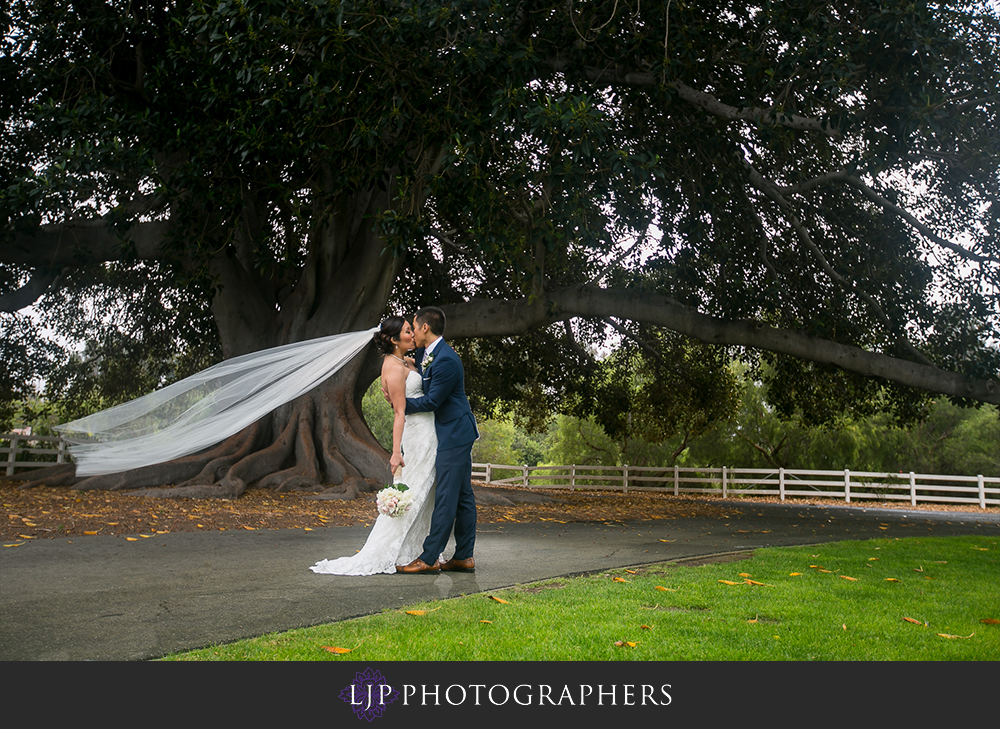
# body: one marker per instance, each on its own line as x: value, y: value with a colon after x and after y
x: 400, y: 539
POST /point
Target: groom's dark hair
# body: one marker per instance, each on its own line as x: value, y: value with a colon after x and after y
x: 432, y: 317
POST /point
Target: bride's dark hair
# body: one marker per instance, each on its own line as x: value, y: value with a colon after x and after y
x: 389, y: 330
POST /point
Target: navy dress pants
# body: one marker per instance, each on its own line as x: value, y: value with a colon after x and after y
x: 454, y: 505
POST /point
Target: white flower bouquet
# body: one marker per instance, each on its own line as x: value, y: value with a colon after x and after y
x: 394, y: 500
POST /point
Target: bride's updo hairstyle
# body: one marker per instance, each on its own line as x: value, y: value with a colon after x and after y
x: 390, y: 330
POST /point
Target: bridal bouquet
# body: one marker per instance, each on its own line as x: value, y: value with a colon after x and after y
x: 394, y: 500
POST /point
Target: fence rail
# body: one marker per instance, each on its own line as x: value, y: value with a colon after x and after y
x: 31, y: 451
x: 38, y: 451
x: 917, y: 488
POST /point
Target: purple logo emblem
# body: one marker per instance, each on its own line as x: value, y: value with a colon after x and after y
x: 369, y: 694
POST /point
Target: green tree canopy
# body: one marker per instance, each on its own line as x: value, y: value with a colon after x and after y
x: 816, y: 182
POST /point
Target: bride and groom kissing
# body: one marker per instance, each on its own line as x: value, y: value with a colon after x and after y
x: 432, y: 436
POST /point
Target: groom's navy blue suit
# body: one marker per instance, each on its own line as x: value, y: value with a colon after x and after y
x: 454, y: 502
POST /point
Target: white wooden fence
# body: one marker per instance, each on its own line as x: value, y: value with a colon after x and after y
x: 38, y: 451
x: 982, y: 491
x: 31, y: 451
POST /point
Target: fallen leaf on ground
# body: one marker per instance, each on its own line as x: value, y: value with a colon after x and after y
x: 417, y: 612
x: 488, y: 622
x: 794, y: 574
x: 987, y: 621
x: 493, y: 597
x: 913, y: 620
x: 618, y: 579
x: 18, y: 544
x: 131, y: 539
x: 744, y: 574
x: 249, y: 528
x: 665, y: 589
x: 963, y: 637
x: 891, y: 579
x: 728, y: 582
x: 336, y: 649
x: 845, y: 577
x: 625, y: 643
x: 632, y: 572
x: 754, y: 582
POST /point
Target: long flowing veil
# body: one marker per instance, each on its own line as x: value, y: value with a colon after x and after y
x: 206, y: 408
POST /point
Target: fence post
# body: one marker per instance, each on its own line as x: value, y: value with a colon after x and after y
x: 524, y: 475
x: 61, y: 456
x: 625, y: 478
x: 676, y: 480
x: 847, y: 485
x: 913, y: 489
x: 12, y: 456
x: 489, y: 473
x: 982, y: 492
x: 725, y: 489
x: 572, y: 477
x: 781, y: 483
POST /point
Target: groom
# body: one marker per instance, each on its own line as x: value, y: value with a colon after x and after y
x: 444, y: 395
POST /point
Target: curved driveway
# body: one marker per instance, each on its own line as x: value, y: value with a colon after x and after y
x: 105, y: 598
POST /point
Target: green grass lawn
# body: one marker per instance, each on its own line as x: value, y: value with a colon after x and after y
x: 920, y: 599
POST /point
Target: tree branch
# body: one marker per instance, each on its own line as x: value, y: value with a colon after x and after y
x: 845, y: 176
x: 700, y: 99
x: 41, y: 281
x: 83, y: 242
x: 771, y: 191
x: 494, y: 318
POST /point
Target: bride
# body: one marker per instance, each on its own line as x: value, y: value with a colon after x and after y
x: 398, y: 540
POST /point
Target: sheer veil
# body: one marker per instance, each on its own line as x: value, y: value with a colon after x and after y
x: 206, y: 408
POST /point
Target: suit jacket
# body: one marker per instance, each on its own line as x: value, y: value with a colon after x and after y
x: 444, y: 395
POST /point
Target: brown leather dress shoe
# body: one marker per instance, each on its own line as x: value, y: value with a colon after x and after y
x: 418, y: 566
x: 460, y: 565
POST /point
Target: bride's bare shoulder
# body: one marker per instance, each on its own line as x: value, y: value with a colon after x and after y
x: 393, y: 368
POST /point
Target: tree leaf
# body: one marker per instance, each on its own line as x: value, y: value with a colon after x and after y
x: 913, y: 620
x: 619, y: 579
x: 665, y: 589
x: 891, y: 579
x: 845, y: 577
x: 337, y: 649
x: 500, y: 600
x: 963, y: 637
x: 794, y: 574
x: 729, y: 582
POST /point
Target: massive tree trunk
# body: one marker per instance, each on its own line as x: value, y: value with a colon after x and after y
x: 320, y: 441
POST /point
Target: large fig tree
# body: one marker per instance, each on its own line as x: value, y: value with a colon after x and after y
x: 809, y: 182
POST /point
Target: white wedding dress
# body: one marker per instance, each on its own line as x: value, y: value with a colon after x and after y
x: 399, y: 540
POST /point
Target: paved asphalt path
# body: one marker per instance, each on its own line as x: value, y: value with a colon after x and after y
x: 105, y: 598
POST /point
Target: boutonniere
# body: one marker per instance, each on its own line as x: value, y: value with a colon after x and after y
x: 427, y: 361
